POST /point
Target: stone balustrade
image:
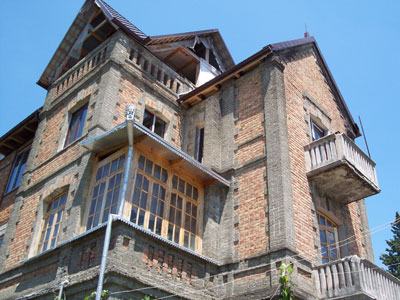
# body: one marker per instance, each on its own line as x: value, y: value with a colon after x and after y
x: 353, y: 276
x: 87, y: 64
x: 158, y: 71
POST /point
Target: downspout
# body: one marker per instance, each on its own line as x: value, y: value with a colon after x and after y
x: 130, y: 118
x: 61, y: 290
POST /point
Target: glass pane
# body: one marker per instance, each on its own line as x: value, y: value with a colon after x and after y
x: 321, y: 220
x: 178, y: 218
x: 176, y: 235
x: 188, y: 208
x: 121, y: 162
x: 187, y: 222
x: 99, y: 203
x: 63, y: 199
x: 180, y: 202
x: 59, y: 215
x: 173, y: 199
x: 108, y: 201
x: 51, y: 218
x: 139, y: 178
x: 114, y: 166
x: 96, y: 220
x: 111, y: 183
x: 114, y: 209
x: 160, y: 210
x: 116, y: 195
x: 55, y: 204
x: 159, y: 127
x: 143, y: 202
x: 47, y: 234
x: 95, y: 191
x: 148, y: 119
x: 195, y: 193
x: 158, y: 226
x: 155, y: 189
x: 325, y: 260
x: 175, y: 182
x: 141, y: 218
x: 136, y: 195
x: 192, y: 241
x: 157, y: 171
x: 193, y: 226
x: 333, y: 252
x: 153, y: 206
x: 186, y: 239
x: 141, y: 162
x: 331, y: 238
x: 164, y: 175
x: 149, y: 167
x: 118, y: 179
x: 105, y: 215
x: 102, y: 188
x: 89, y: 223
x: 53, y: 243
x: 170, y: 231
x: 45, y: 246
x: 106, y: 170
x: 324, y: 250
x: 181, y: 186
x: 322, y: 236
x: 189, y: 190
x: 162, y: 193
x: 194, y: 210
x: 172, y: 215
x: 328, y: 223
x: 133, y: 214
x: 145, y: 184
x: 151, y: 222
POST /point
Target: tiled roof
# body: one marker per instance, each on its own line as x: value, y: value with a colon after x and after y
x: 125, y: 25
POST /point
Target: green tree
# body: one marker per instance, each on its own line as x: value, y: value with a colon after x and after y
x: 392, y: 258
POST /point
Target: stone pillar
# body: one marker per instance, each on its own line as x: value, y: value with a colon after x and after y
x: 279, y: 189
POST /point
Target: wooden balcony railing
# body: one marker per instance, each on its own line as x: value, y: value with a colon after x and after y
x: 351, y: 275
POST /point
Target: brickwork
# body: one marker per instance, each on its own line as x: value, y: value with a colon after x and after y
x: 308, y: 95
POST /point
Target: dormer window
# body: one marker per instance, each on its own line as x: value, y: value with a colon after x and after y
x: 154, y: 123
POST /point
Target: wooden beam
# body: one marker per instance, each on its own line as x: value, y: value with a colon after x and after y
x: 193, y: 60
x: 209, y: 182
x: 176, y: 162
x: 171, y: 54
x: 139, y: 139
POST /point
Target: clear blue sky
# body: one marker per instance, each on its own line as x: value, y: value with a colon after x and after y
x: 359, y: 39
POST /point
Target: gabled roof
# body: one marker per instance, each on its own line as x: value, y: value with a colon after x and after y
x: 238, y: 70
x: 219, y: 44
x: 74, y: 32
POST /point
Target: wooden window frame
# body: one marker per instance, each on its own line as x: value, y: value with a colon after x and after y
x: 328, y: 226
x: 172, y: 171
x: 18, y: 168
x: 54, y: 216
x: 106, y: 180
x: 76, y: 125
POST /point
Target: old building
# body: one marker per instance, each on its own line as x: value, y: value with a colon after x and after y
x: 205, y: 175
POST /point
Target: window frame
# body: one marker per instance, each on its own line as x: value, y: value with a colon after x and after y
x: 172, y: 170
x: 18, y: 177
x: 154, y: 120
x: 317, y: 129
x: 78, y: 130
x: 333, y: 229
x: 57, y: 222
x: 108, y: 159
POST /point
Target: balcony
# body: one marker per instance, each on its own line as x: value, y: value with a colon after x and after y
x: 355, y: 278
x: 340, y: 169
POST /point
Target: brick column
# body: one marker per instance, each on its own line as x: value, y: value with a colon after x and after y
x: 279, y: 189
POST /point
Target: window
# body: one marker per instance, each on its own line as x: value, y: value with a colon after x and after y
x: 106, y: 189
x: 166, y: 206
x: 317, y: 131
x: 1, y: 240
x: 18, y: 170
x: 52, y: 222
x: 154, y: 123
x: 76, y: 125
x: 199, y: 144
x: 329, y: 239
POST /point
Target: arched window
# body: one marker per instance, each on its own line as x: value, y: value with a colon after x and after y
x: 329, y: 239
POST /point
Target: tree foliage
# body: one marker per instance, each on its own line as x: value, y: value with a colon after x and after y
x: 286, y: 282
x: 391, y: 259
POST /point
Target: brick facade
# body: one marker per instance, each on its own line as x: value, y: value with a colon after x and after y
x: 256, y: 206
